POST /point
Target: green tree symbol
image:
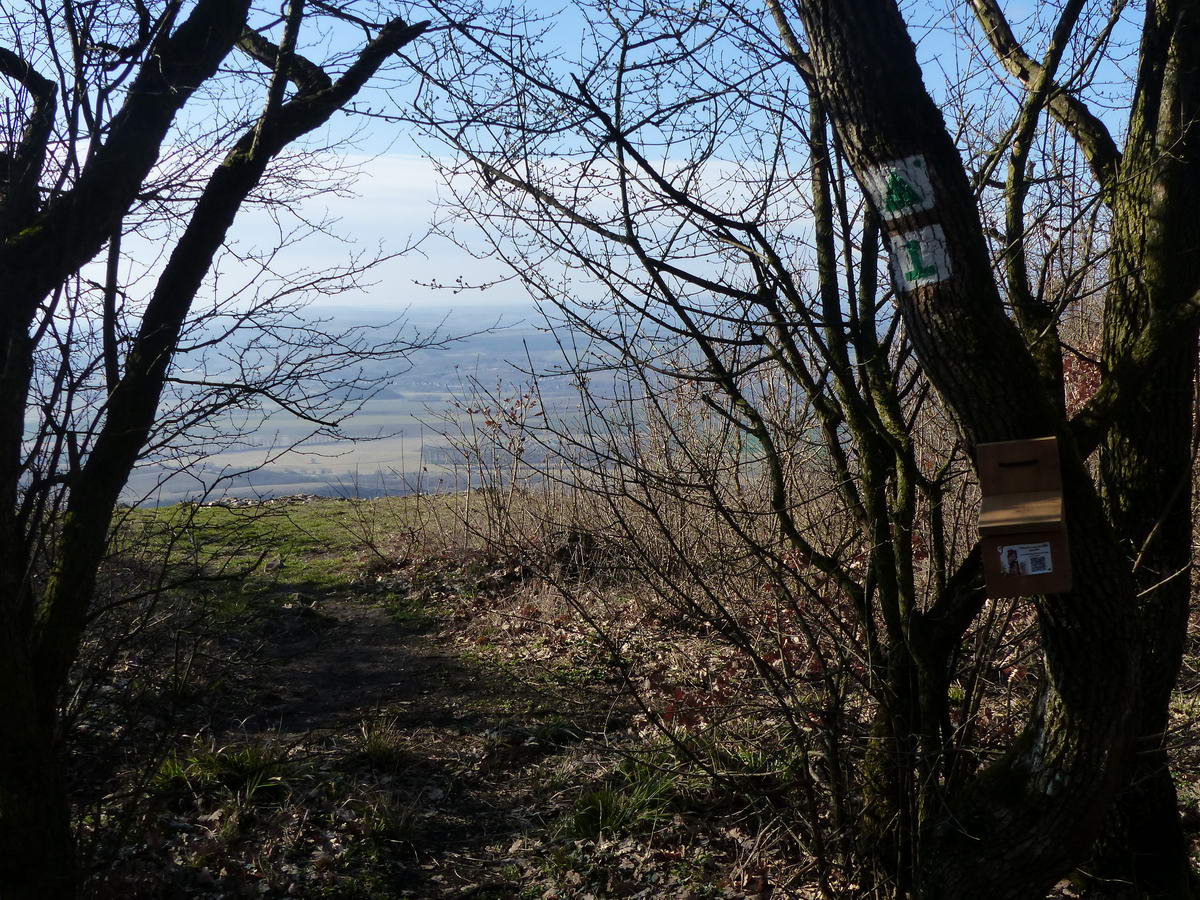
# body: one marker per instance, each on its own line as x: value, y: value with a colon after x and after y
x: 900, y: 194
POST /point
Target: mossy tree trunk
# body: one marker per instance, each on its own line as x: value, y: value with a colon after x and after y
x: 1146, y: 460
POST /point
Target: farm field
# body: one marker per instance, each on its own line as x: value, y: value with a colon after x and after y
x: 400, y: 440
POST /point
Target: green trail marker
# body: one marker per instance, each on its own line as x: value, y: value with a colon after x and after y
x: 901, y: 195
x: 900, y: 187
x: 920, y: 268
x: 919, y: 257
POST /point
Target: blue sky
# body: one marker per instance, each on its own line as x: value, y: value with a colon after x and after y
x: 396, y: 199
x: 399, y: 191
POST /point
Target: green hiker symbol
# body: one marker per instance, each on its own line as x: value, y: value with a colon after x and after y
x: 900, y: 194
x: 920, y: 268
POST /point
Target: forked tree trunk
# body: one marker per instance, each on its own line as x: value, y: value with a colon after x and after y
x: 39, y: 644
x: 39, y: 250
x: 1023, y: 821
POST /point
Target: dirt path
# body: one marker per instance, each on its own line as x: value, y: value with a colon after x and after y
x: 462, y: 753
x: 326, y: 667
x: 348, y: 726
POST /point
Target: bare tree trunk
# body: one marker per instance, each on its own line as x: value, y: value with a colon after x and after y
x: 35, y: 824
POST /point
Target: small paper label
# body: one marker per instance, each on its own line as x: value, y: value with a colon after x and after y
x: 1026, y: 559
x: 920, y: 257
x: 900, y: 187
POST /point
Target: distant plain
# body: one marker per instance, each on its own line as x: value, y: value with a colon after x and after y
x: 400, y: 440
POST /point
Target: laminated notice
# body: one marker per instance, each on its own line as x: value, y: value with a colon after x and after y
x: 1026, y: 559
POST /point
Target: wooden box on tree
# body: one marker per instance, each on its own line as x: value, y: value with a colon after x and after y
x: 1022, y: 528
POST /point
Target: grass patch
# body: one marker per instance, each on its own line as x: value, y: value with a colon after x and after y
x: 380, y: 743
x: 390, y: 818
x: 411, y: 610
x: 313, y: 545
x: 638, y: 798
x: 255, y: 772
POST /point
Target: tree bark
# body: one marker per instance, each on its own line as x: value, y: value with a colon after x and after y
x: 38, y: 858
x: 1025, y: 820
x: 1146, y: 459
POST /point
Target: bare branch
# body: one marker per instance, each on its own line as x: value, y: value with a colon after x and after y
x: 21, y: 168
x: 88, y: 212
x: 307, y: 75
x: 1072, y: 113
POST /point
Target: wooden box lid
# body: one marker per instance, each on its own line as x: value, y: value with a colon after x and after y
x: 1017, y: 467
x: 1028, y: 511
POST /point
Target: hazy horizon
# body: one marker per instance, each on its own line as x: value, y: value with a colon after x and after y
x: 400, y: 437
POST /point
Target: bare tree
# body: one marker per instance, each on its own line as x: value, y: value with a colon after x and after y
x: 126, y: 123
x: 1089, y: 744
x: 700, y: 195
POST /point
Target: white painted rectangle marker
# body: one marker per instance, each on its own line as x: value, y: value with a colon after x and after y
x: 900, y: 187
x: 919, y: 257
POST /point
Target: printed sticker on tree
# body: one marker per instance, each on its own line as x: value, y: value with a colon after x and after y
x: 901, y: 187
x: 920, y: 257
x: 1026, y: 559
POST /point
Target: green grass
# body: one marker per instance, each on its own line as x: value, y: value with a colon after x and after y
x: 380, y: 743
x: 413, y: 611
x: 391, y: 818
x: 315, y: 546
x: 254, y: 772
x: 638, y: 798
x: 568, y: 673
